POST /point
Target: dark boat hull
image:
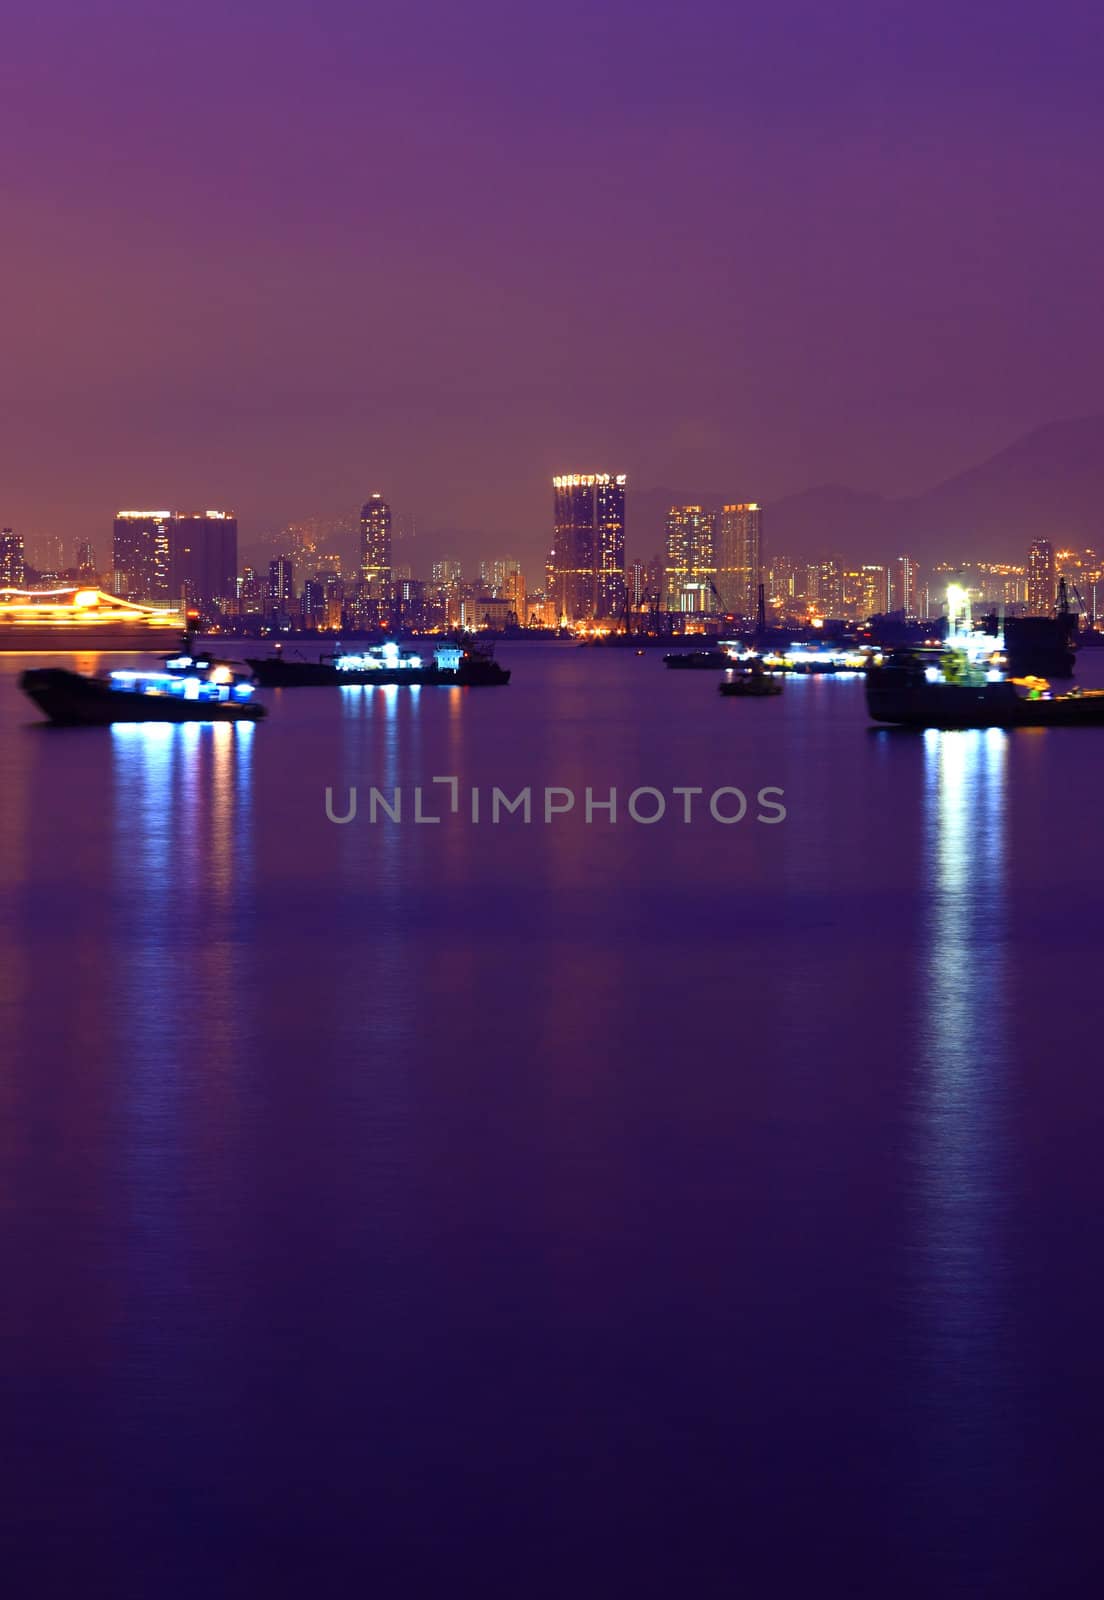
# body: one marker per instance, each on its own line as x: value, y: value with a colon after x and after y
x: 751, y: 688
x: 990, y: 705
x: 273, y: 672
x: 698, y: 660
x: 75, y: 701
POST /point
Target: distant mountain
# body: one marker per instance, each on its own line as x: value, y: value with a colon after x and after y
x: 1048, y: 484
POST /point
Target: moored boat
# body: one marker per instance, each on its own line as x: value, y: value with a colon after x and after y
x: 77, y: 699
x: 455, y: 665
x: 958, y: 694
x: 752, y: 685
x: 698, y: 660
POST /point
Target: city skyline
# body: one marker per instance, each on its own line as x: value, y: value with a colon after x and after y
x: 430, y: 324
x: 1052, y: 477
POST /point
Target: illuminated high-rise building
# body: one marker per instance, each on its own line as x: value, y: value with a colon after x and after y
x: 1042, y: 581
x: 740, y: 558
x: 13, y: 570
x: 689, y: 579
x: 873, y: 590
x: 203, y: 558
x: 281, y: 587
x: 587, y: 568
x: 905, y: 587
x: 375, y: 548
x: 140, y: 555
x: 86, y: 559
x: 824, y: 586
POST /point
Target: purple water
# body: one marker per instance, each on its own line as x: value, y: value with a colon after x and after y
x: 549, y: 1209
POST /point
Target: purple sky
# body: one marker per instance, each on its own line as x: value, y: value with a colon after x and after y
x: 279, y: 255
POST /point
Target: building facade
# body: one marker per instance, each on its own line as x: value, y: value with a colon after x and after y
x: 690, y: 570
x: 740, y: 558
x: 375, y: 548
x: 1042, y: 579
x: 587, y: 566
x: 203, y: 558
x: 140, y: 556
x: 13, y: 567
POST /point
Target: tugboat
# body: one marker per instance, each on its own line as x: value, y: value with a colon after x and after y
x: 77, y: 699
x: 466, y: 666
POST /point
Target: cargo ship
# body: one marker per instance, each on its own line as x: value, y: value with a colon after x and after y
x: 77, y: 699
x: 449, y: 665
x: 954, y: 692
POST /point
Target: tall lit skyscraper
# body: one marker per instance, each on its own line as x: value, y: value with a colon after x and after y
x: 740, y: 558
x: 203, y: 557
x: 1042, y: 581
x: 691, y: 567
x: 375, y: 547
x: 587, y: 569
x: 281, y: 587
x: 873, y: 596
x: 824, y: 586
x: 12, y: 564
x: 141, y: 555
x: 905, y: 589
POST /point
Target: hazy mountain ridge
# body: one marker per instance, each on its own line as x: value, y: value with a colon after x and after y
x: 1048, y: 483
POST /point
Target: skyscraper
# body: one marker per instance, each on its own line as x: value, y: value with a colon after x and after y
x: 203, y: 558
x: 281, y: 587
x: 12, y: 565
x: 375, y: 547
x: 740, y: 558
x: 1042, y: 582
x: 690, y: 572
x: 905, y: 589
x: 141, y: 555
x: 824, y: 586
x: 587, y: 569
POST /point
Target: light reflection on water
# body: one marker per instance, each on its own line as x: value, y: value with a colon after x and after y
x: 961, y: 1101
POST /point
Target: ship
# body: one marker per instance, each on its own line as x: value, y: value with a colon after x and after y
x: 77, y: 699
x: 79, y: 617
x: 700, y: 660
x: 753, y: 684
x: 912, y: 691
x: 450, y: 665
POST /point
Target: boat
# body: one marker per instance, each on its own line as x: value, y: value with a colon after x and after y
x: 74, y: 698
x: 451, y: 665
x: 912, y: 691
x: 754, y: 684
x: 698, y: 660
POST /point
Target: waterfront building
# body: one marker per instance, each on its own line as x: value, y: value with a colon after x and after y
x: 13, y: 566
x: 740, y: 558
x: 281, y: 590
x: 203, y: 558
x: 141, y: 554
x: 905, y: 588
x: 587, y: 564
x: 1042, y: 580
x: 375, y: 549
x: 690, y: 570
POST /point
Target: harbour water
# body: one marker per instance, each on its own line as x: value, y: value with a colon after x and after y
x: 550, y: 1209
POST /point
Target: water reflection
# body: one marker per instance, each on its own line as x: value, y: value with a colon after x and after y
x: 182, y: 878
x: 961, y: 1096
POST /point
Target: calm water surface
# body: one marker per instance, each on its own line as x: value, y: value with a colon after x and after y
x: 564, y: 1210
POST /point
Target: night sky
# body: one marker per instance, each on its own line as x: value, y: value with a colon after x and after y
x: 279, y: 255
